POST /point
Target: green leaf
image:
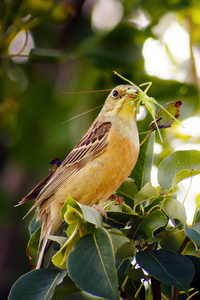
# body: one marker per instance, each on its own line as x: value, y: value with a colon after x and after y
x: 164, y: 120
x: 38, y: 284
x: 194, y: 233
x: 91, y: 265
x: 118, y: 239
x: 59, y: 259
x: 127, y: 190
x: 148, y: 192
x: 32, y: 247
x: 183, y: 174
x: 175, y: 210
x: 65, y: 289
x: 174, y: 241
x: 195, y: 281
x: 127, y: 250
x: 171, y: 268
x: 71, y: 202
x: 135, y: 274
x: 72, y: 215
x: 91, y: 215
x: 119, y: 219
x: 142, y: 170
x: 151, y: 222
x: 176, y: 162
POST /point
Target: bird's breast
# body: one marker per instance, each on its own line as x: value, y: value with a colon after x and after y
x: 100, y: 178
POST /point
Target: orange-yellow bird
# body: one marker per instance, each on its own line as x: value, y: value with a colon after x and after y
x: 97, y: 165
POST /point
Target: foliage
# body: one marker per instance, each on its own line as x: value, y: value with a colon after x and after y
x: 69, y: 54
x: 110, y: 261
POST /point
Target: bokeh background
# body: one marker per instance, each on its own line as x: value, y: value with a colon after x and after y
x: 50, y: 51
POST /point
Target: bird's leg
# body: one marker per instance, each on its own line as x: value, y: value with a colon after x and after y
x: 117, y: 199
x: 100, y: 209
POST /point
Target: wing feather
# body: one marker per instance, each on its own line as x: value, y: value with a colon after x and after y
x: 92, y: 144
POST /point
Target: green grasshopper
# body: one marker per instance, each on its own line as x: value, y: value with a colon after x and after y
x: 149, y: 102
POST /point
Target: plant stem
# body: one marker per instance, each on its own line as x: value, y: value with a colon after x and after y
x: 156, y: 288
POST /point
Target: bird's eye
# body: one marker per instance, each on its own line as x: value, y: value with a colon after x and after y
x: 115, y: 93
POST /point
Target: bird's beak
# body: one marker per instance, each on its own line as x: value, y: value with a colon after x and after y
x: 132, y: 92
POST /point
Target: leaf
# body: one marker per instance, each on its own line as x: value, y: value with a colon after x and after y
x: 91, y: 215
x: 72, y: 215
x: 176, y: 162
x: 71, y: 202
x: 135, y: 274
x: 37, y: 284
x: 126, y: 250
x: 127, y: 190
x: 65, y: 289
x: 118, y: 239
x: 175, y: 210
x: 142, y: 170
x: 164, y: 120
x: 195, y: 281
x: 119, y: 219
x: 170, y: 268
x: 91, y: 265
x: 183, y: 174
x: 194, y: 233
x: 32, y: 247
x: 148, y: 192
x: 151, y: 222
x: 59, y: 259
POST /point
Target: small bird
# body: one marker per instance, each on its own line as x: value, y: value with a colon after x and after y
x: 96, y: 166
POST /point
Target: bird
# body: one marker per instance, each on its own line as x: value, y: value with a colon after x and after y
x: 95, y: 168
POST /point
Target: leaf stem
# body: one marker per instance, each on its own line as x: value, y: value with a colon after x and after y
x: 156, y: 288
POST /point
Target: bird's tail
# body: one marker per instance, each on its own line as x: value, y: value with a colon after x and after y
x: 50, y: 226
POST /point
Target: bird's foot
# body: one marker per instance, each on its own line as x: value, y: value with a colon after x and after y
x: 100, y: 209
x: 117, y: 199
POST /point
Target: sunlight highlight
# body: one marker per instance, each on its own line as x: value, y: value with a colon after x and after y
x: 168, y: 56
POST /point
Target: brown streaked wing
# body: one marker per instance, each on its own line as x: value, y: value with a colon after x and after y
x: 91, y: 145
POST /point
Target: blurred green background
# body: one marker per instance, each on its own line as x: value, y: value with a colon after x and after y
x: 49, y: 47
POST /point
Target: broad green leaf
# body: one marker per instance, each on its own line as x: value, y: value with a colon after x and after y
x: 127, y: 250
x: 194, y: 233
x: 59, y: 259
x: 151, y: 222
x: 135, y: 274
x: 70, y: 201
x: 121, y: 266
x: 65, y: 289
x: 33, y: 226
x: 73, y: 211
x: 91, y: 265
x: 58, y: 239
x: 176, y: 162
x: 148, y: 192
x: 164, y: 120
x: 91, y: 215
x: 75, y: 296
x: 174, y: 241
x: 127, y: 190
x: 119, y: 219
x: 72, y: 215
x: 37, y: 284
x: 32, y: 247
x: 142, y: 170
x: 183, y: 174
x: 175, y: 210
x: 171, y: 268
x: 195, y: 281
x: 118, y: 239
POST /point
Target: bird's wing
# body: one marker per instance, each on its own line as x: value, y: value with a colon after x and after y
x: 92, y: 144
